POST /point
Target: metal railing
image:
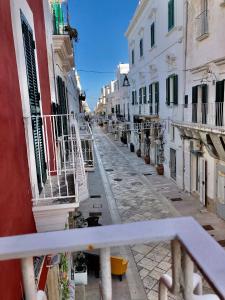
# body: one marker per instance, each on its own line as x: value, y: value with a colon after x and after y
x: 87, y: 145
x: 59, y: 160
x: 207, y: 113
x: 202, y: 24
x: 191, y: 246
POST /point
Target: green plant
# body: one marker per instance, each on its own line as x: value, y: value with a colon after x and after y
x: 64, y: 280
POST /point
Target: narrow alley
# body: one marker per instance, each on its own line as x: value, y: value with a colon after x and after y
x: 135, y: 192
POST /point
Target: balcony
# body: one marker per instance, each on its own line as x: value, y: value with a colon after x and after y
x: 202, y: 25
x: 60, y: 170
x: 192, y: 249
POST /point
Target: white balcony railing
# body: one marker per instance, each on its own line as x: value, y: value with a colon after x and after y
x: 87, y: 145
x: 59, y: 160
x: 191, y: 246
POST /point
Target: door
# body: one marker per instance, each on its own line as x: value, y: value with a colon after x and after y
x: 173, y: 164
x: 34, y: 99
x: 202, y: 178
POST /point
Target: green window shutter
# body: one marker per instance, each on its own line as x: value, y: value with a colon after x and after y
x: 168, y: 91
x: 156, y: 97
x: 170, y: 14
x: 220, y: 91
x: 204, y: 93
x: 135, y: 97
x: 144, y: 95
x: 150, y: 94
x: 132, y: 56
x: 141, y: 48
x: 140, y: 96
x: 175, y: 89
x: 34, y: 99
x: 195, y: 94
x: 152, y: 34
x: 132, y: 97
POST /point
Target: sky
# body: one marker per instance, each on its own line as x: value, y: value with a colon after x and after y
x: 102, y: 45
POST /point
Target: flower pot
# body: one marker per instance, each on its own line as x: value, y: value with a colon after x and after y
x: 147, y: 159
x: 138, y: 152
x: 160, y: 169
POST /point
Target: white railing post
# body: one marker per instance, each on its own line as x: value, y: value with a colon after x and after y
x: 188, y: 273
x: 106, y: 274
x: 28, y: 278
x: 176, y: 266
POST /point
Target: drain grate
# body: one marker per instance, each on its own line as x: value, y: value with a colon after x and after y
x: 109, y: 170
x: 208, y: 227
x: 176, y: 199
x: 222, y: 243
x: 147, y: 174
x: 97, y: 205
x: 117, y: 179
x: 95, y: 196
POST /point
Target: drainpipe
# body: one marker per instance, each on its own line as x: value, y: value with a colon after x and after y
x: 185, y: 67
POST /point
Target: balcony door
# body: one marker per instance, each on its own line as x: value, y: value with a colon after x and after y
x: 200, y: 104
x: 34, y: 99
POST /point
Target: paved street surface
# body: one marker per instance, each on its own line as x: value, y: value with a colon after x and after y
x: 135, y: 192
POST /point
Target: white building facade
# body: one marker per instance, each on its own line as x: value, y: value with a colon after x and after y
x: 156, y: 41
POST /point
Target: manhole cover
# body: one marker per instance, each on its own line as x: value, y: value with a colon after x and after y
x: 222, y: 243
x: 118, y: 179
x: 208, y: 227
x: 147, y: 174
x: 109, y: 170
x: 176, y: 199
x: 95, y: 196
x: 97, y: 205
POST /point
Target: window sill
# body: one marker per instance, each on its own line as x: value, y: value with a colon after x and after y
x: 152, y: 48
x: 202, y: 37
x: 170, y: 31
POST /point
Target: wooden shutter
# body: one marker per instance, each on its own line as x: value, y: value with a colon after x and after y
x: 168, y: 91
x: 150, y: 99
x: 152, y: 34
x: 170, y: 14
x: 34, y: 99
x: 175, y: 89
x: 156, y: 97
x: 195, y: 94
x: 140, y: 96
x: 132, y: 97
x: 220, y: 91
x: 144, y: 95
x: 204, y: 93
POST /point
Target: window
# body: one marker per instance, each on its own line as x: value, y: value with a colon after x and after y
x: 170, y: 14
x: 172, y: 90
x: 152, y: 34
x: 132, y: 57
x: 141, y: 48
x: 144, y: 95
x: 140, y: 96
x: 154, y: 98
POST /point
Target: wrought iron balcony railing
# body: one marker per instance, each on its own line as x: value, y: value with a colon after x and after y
x: 191, y: 246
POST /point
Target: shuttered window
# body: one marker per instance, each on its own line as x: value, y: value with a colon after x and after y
x: 141, y: 48
x: 132, y: 57
x: 150, y: 100
x: 152, y: 34
x: 170, y: 14
x: 220, y: 91
x: 195, y: 94
x: 175, y: 89
x: 144, y: 95
x: 34, y: 98
x: 140, y: 96
x: 157, y: 98
x: 133, y: 99
x: 172, y: 95
x: 168, y: 91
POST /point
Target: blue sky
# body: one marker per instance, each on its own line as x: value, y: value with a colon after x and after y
x: 101, y: 25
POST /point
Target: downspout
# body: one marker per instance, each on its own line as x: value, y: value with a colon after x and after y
x: 185, y: 67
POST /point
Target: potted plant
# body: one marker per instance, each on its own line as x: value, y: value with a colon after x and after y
x: 159, y: 166
x: 80, y: 275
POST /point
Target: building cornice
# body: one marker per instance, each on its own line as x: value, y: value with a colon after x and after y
x: 136, y: 16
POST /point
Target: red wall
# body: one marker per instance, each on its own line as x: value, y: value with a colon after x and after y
x: 15, y: 193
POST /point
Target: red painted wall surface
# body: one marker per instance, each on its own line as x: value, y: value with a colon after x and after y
x: 15, y: 193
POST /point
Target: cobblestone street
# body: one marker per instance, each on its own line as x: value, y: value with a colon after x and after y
x: 140, y: 194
